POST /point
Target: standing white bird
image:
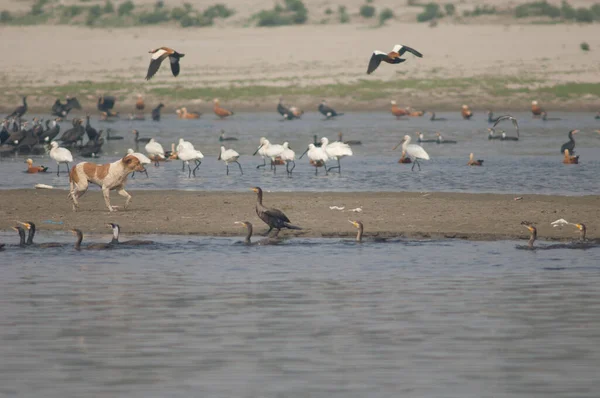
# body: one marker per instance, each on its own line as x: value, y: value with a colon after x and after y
x: 288, y: 156
x: 181, y: 146
x: 336, y: 150
x: 229, y: 156
x: 317, y: 157
x: 261, y: 151
x: 60, y: 155
x: 415, y: 152
x: 186, y: 154
x: 272, y: 151
x: 142, y: 158
x: 155, y: 150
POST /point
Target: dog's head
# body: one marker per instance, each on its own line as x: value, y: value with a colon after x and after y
x: 132, y: 163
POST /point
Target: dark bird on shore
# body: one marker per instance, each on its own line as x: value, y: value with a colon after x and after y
x: 112, y: 137
x: 31, y: 227
x: 16, y: 136
x: 285, y: 111
x: 570, y: 145
x: 442, y: 140
x: 433, y: 118
x: 156, y: 112
x: 74, y: 134
x: 349, y: 142
x: 62, y: 110
x: 223, y: 138
x: 21, y: 232
x: 159, y: 55
x: 92, y: 148
x: 138, y: 139
x: 274, y: 218
x: 473, y: 162
x: 91, y: 246
x: 392, y: 57
x: 28, y: 142
x: 20, y: 110
x: 271, y: 240
x: 328, y: 111
x: 134, y: 242
x: 105, y: 104
x: 91, y: 132
x: 504, y: 137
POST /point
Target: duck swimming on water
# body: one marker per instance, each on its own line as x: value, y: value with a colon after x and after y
x: 21, y: 232
x: 274, y: 218
x: 433, y: 118
x: 442, y: 140
x: 31, y: 169
x: 31, y: 227
x: 421, y: 138
x: 91, y: 246
x: 570, y: 145
x: 134, y: 242
x: 473, y: 162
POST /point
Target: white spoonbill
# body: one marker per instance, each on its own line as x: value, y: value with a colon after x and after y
x: 272, y: 151
x: 261, y: 151
x: 60, y: 155
x: 186, y: 154
x: 182, y: 145
x: 288, y: 156
x: 317, y: 156
x: 415, y: 152
x: 229, y: 156
x: 142, y: 158
x: 336, y: 150
x: 155, y: 150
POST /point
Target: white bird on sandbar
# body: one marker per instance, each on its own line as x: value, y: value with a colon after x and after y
x: 316, y: 156
x: 229, y: 156
x: 181, y: 146
x: 60, y: 155
x: 415, y: 152
x: 155, y: 150
x: 336, y: 150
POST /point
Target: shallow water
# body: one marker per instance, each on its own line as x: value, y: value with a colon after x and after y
x: 531, y: 165
x: 198, y: 316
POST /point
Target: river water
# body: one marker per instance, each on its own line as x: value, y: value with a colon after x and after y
x: 531, y: 165
x: 201, y: 316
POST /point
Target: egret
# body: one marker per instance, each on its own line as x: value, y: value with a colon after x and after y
x: 336, y: 150
x: 155, y: 150
x: 142, y: 158
x: 288, y: 156
x: 182, y: 145
x: 317, y: 156
x: 229, y: 156
x: 60, y: 155
x: 187, y: 154
x: 414, y: 152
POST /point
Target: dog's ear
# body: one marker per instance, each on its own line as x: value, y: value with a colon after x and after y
x: 131, y: 161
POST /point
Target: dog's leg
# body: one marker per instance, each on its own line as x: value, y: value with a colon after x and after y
x: 77, y: 190
x: 121, y: 191
x: 106, y: 193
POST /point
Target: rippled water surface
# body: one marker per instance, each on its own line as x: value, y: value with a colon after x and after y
x: 531, y: 165
x: 207, y: 317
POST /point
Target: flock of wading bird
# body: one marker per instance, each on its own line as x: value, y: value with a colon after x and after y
x: 113, y: 176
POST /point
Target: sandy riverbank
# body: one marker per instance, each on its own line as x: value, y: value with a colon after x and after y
x: 498, y: 66
x: 436, y: 215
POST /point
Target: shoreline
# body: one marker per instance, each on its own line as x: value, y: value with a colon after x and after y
x: 385, y: 214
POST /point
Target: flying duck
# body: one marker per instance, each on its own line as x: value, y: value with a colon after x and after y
x: 158, y: 55
x: 392, y: 57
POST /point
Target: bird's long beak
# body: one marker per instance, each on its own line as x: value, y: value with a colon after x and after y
x: 26, y: 225
x: 400, y: 143
x: 254, y: 189
x: 240, y: 223
x: 257, y: 149
x: 579, y: 227
x: 353, y: 223
x: 15, y: 228
x: 303, y: 153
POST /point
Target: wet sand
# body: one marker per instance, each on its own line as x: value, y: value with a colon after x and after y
x: 385, y: 214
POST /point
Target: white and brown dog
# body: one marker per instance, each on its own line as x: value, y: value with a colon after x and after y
x: 108, y: 176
